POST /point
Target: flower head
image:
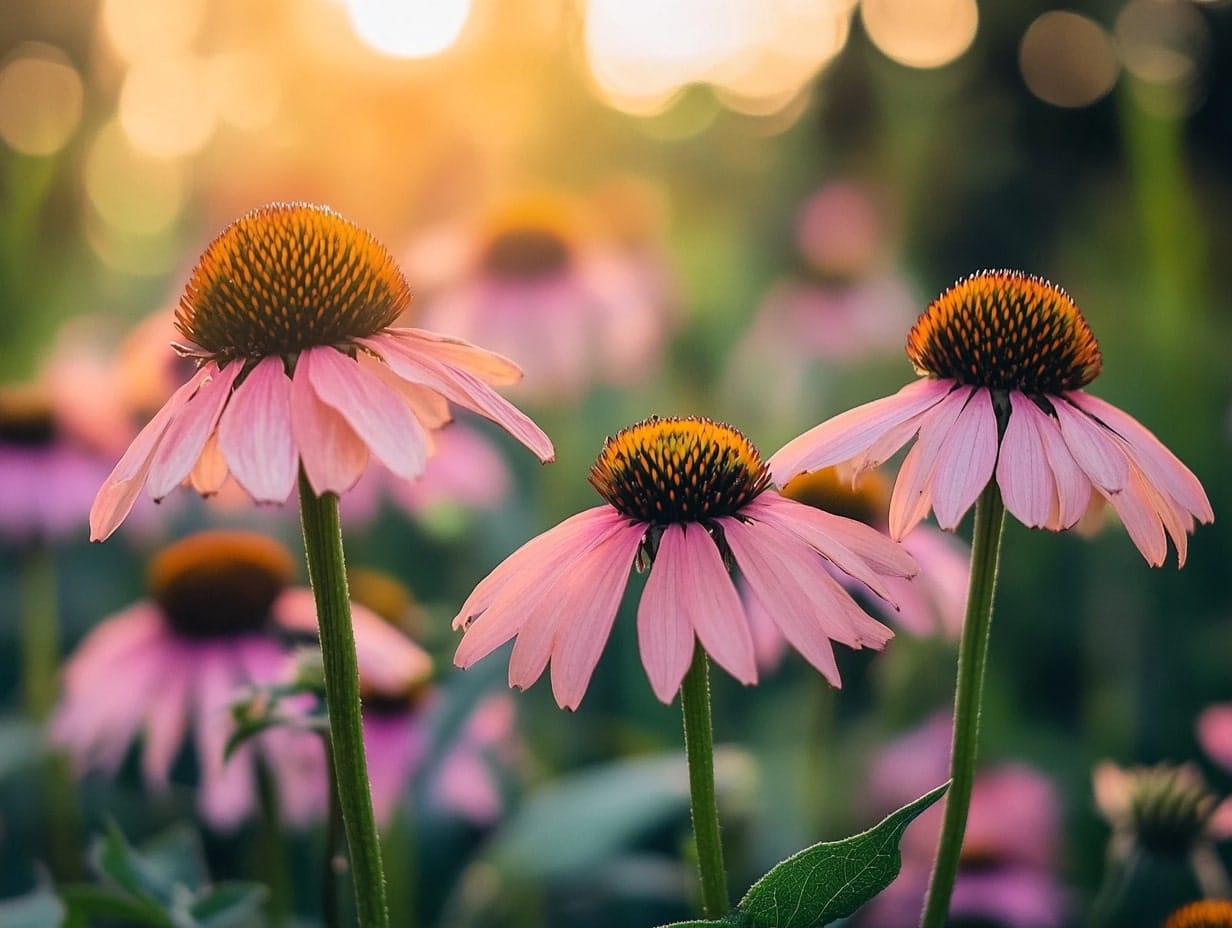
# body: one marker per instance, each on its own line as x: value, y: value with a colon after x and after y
x: 167, y: 668
x: 1005, y: 357
x: 288, y: 315
x: 1205, y: 913
x: 1166, y: 810
x: 538, y: 282
x: 690, y: 497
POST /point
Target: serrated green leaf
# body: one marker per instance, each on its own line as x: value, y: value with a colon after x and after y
x: 734, y: 920
x: 831, y: 880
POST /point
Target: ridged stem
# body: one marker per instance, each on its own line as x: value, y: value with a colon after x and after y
x: 699, y: 748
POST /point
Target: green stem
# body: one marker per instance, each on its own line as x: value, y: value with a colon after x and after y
x: 40, y: 631
x: 968, y: 694
x: 271, y: 849
x: 699, y: 747
x: 333, y: 833
x: 327, y: 573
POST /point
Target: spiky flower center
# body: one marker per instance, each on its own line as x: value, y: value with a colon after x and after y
x: 26, y: 417
x: 867, y: 500
x: 286, y: 277
x: 1169, y: 808
x: 662, y: 471
x: 219, y: 584
x: 525, y: 254
x: 1006, y: 330
x: 1205, y: 913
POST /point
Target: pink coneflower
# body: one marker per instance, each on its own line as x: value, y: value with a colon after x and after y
x: 1005, y: 357
x: 288, y: 314
x: 573, y: 309
x: 48, y: 473
x: 167, y: 669
x: 1215, y: 733
x: 1166, y: 810
x: 1205, y: 913
x: 691, y: 497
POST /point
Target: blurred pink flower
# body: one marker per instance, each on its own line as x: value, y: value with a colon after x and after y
x: 842, y: 230
x: 300, y: 369
x: 1006, y: 355
x: 49, y: 472
x: 691, y: 497
x: 1008, y: 867
x: 168, y: 669
x: 539, y: 283
x: 1215, y: 733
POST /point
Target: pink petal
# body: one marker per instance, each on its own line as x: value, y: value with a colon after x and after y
x: 1215, y: 733
x: 430, y: 408
x: 1073, y: 486
x: 493, y: 369
x: 1135, y: 508
x: 912, y: 493
x: 1026, y: 480
x: 254, y: 433
x: 1093, y: 448
x: 121, y: 487
x: 167, y: 720
x: 664, y: 630
x: 856, y: 549
x: 376, y: 413
x: 965, y: 460
x: 790, y: 581
x: 185, y: 438
x: 850, y: 433
x: 228, y: 788
x: 460, y: 386
x: 693, y: 592
x: 210, y: 472
x: 1160, y: 466
x: 495, y: 611
x: 333, y: 456
x: 588, y: 598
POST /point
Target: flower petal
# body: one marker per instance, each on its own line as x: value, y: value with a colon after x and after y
x: 912, y: 493
x: 210, y: 472
x: 1073, y: 486
x: 1141, y: 519
x: 1159, y: 465
x: 407, y: 359
x: 965, y: 460
x: 185, y: 438
x: 493, y: 369
x: 255, y: 433
x: 377, y: 414
x: 333, y: 456
x: 1023, y: 474
x: 120, y: 489
x: 1093, y: 448
x: 854, y: 431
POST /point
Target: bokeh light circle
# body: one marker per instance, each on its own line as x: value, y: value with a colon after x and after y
x: 40, y: 100
x: 1067, y: 59
x: 920, y: 33
x: 409, y: 28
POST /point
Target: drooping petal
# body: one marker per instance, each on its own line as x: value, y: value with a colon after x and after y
x: 430, y: 408
x: 228, y: 787
x: 333, y: 456
x: 210, y: 472
x: 460, y: 386
x: 120, y: 489
x: 588, y: 599
x: 1093, y: 448
x: 689, y: 590
x: 255, y: 433
x: 664, y: 632
x: 850, y: 433
x: 167, y: 718
x: 965, y: 460
x: 1159, y: 465
x: 807, y: 604
x: 856, y: 549
x: 185, y: 438
x: 377, y: 414
x: 912, y: 493
x: 1142, y: 522
x: 493, y: 369
x: 1073, y: 486
x: 1023, y: 473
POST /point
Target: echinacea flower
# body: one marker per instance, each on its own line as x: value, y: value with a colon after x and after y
x: 1005, y: 356
x: 1205, y: 913
x: 289, y: 315
x: 168, y: 668
x: 692, y: 498
x: 538, y: 286
x: 1166, y: 810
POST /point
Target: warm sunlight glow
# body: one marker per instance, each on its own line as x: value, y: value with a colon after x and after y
x: 129, y: 190
x: 167, y: 107
x: 138, y: 29
x: 920, y: 33
x: 40, y: 100
x: 1068, y: 59
x: 409, y: 28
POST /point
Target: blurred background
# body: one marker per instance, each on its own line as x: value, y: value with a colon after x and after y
x: 732, y: 208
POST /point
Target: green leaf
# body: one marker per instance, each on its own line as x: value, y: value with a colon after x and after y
x: 831, y: 880
x: 228, y: 905
x: 734, y: 920
x: 87, y: 903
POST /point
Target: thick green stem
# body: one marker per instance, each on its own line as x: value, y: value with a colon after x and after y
x: 699, y: 747
x: 327, y: 572
x: 968, y: 694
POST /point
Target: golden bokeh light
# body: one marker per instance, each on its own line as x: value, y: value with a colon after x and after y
x: 137, y: 29
x: 1166, y: 45
x: 409, y: 28
x: 248, y: 89
x: 1067, y: 59
x: 920, y: 33
x: 129, y: 190
x: 40, y: 100
x: 167, y: 106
